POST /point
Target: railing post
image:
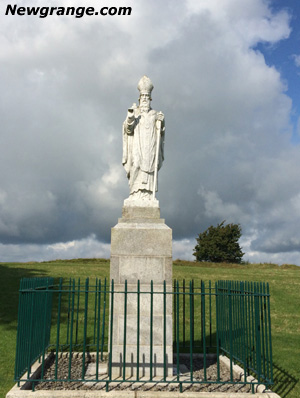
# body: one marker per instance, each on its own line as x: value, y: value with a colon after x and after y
x: 266, y: 332
x: 204, y: 333
x: 253, y: 327
x: 176, y: 294
x: 270, y: 337
x: 77, y: 310
x: 71, y: 331
x: 30, y: 332
x: 95, y: 311
x: 125, y: 326
x: 217, y: 330
x: 19, y: 333
x: 261, y: 317
x: 46, y: 330
x: 247, y: 325
x: 138, y: 332
x: 85, y: 326
x: 165, y: 332
x: 151, y: 330
x: 230, y: 329
x: 193, y: 312
x: 210, y: 319
x: 191, y: 331
x: 183, y: 312
x: 69, y: 304
x: 243, y: 327
x: 103, y: 319
x: 58, y: 324
x: 111, y: 331
x: 257, y: 334
x: 98, y: 327
x: 175, y: 311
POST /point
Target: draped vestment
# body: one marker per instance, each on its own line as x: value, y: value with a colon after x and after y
x: 139, y: 149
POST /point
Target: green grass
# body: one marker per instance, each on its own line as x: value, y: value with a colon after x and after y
x: 285, y: 303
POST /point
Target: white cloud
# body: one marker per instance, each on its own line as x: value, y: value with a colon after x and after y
x: 84, y: 248
x: 296, y: 60
x: 215, y: 208
x: 248, y: 22
x: 183, y: 249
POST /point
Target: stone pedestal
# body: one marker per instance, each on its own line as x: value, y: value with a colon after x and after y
x: 141, y: 250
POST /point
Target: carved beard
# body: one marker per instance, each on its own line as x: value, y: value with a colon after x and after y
x: 144, y: 107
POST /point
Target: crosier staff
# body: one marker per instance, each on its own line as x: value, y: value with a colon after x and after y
x: 158, y: 132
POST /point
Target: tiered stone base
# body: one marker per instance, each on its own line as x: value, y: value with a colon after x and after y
x: 141, y: 249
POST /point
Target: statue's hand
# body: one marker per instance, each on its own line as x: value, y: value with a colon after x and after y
x: 160, y: 116
x: 130, y: 113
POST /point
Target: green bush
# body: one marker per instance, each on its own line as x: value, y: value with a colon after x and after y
x: 219, y: 244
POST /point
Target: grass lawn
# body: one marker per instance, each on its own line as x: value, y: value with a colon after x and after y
x: 285, y: 307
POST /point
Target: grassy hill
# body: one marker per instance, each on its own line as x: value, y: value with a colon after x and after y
x: 285, y: 306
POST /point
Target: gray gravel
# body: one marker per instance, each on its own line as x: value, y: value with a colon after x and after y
x: 198, y: 374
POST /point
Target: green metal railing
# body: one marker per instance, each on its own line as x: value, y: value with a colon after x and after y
x: 244, y: 327
x: 231, y: 318
x: 34, y: 322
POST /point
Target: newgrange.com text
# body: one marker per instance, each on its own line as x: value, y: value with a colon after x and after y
x: 77, y: 12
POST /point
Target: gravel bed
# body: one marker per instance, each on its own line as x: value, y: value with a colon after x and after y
x: 198, y: 374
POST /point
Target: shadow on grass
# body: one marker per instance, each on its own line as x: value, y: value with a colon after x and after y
x: 284, y: 382
x: 9, y: 292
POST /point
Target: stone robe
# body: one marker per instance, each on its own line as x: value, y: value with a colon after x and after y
x: 139, y: 150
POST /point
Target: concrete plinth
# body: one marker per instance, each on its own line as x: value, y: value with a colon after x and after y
x: 141, y: 250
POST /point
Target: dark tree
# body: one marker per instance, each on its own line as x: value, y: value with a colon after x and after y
x: 219, y: 244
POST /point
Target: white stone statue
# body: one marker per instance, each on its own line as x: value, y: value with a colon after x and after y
x: 143, y: 147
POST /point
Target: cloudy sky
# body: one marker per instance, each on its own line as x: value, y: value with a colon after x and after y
x: 225, y: 74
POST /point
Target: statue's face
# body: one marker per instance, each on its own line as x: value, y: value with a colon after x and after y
x: 145, y: 100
